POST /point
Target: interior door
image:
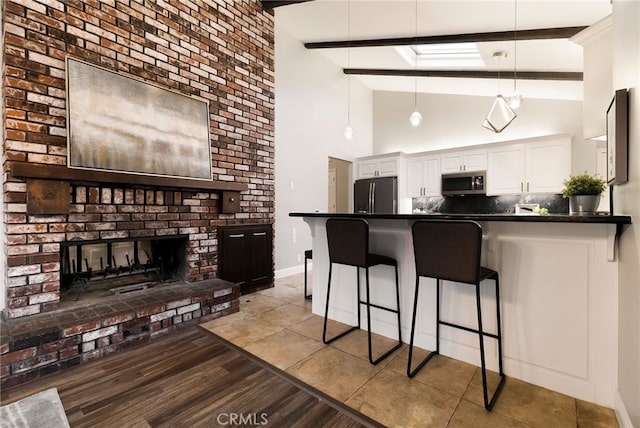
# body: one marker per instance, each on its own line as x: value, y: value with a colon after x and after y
x: 333, y: 191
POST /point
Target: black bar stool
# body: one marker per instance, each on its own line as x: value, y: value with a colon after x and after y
x: 450, y: 250
x: 348, y: 241
x: 308, y: 255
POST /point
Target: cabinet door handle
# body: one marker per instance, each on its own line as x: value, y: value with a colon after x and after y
x: 521, y: 186
x: 237, y: 235
x: 259, y: 233
x: 527, y: 186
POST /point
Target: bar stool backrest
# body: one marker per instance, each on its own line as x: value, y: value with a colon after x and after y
x: 448, y: 250
x: 348, y: 241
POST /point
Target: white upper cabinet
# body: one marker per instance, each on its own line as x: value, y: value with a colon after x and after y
x: 547, y: 165
x: 467, y: 160
x: 423, y: 176
x: 505, y: 172
x: 372, y: 167
x: 535, y: 167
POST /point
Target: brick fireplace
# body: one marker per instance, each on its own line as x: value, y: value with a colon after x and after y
x: 220, y: 51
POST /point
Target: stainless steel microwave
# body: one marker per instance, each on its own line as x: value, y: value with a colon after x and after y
x: 464, y: 183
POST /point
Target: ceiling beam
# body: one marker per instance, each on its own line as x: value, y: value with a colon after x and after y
x: 498, y: 36
x: 469, y: 74
x: 271, y: 4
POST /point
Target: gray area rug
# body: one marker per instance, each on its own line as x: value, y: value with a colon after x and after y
x: 41, y: 410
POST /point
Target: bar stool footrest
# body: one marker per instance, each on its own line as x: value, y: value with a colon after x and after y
x: 469, y: 329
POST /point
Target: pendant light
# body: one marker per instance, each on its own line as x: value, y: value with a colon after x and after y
x: 416, y: 117
x: 515, y: 99
x: 500, y: 115
x: 348, y: 131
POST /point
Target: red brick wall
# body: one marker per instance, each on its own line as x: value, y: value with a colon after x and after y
x: 219, y: 50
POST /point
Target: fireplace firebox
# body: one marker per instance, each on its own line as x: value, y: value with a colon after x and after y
x: 94, y: 269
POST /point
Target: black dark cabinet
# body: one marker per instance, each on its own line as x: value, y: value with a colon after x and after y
x: 245, y: 256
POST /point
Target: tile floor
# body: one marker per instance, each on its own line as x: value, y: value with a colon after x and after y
x: 277, y: 326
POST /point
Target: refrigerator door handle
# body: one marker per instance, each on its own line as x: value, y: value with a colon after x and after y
x: 373, y: 198
x: 369, y: 198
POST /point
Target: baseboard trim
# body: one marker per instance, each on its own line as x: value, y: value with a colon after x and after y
x: 624, y: 421
x: 294, y: 270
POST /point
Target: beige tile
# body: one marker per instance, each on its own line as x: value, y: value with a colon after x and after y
x: 593, y: 416
x: 312, y: 327
x: 395, y: 400
x: 524, y: 402
x: 334, y: 372
x: 286, y: 315
x: 243, y: 331
x: 470, y: 415
x: 256, y: 303
x: 293, y: 280
x: 447, y: 374
x: 284, y: 348
x: 283, y: 292
x: 356, y: 343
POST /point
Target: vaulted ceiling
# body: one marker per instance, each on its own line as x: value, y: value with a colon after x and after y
x: 361, y: 37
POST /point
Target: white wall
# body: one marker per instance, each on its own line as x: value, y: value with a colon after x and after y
x: 626, y: 74
x: 456, y: 120
x: 311, y: 114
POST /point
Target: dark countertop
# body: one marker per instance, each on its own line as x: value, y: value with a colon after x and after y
x: 526, y: 218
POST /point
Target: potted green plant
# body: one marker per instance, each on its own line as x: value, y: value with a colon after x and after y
x: 584, y: 192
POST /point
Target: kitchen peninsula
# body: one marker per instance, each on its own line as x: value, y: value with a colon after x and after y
x: 558, y: 276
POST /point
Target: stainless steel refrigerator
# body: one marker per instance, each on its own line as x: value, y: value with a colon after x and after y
x: 376, y: 195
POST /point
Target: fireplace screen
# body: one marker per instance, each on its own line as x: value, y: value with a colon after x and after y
x: 116, y: 267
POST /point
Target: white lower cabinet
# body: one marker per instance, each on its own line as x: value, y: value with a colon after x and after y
x: 423, y: 176
x: 537, y: 167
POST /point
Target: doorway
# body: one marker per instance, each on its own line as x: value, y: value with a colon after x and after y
x: 339, y: 185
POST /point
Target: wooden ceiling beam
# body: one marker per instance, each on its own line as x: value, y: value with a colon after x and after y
x: 498, y: 36
x: 271, y: 4
x: 469, y: 74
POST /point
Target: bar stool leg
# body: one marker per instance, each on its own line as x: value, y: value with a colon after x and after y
x: 488, y: 403
x: 368, y: 304
x: 412, y: 373
x: 306, y: 296
x: 398, y: 306
x: 499, y: 326
x: 326, y: 312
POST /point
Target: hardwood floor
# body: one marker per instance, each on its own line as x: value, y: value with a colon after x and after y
x: 189, y: 378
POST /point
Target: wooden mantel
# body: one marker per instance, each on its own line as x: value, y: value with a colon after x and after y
x: 59, y: 172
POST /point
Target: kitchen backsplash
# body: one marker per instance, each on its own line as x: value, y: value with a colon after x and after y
x: 480, y: 204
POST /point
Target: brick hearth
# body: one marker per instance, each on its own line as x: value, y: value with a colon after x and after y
x: 42, y: 344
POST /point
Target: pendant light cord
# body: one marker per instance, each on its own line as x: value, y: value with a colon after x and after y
x: 415, y: 67
x: 349, y: 63
x: 515, y: 39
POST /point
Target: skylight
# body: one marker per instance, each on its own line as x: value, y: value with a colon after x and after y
x: 442, y: 55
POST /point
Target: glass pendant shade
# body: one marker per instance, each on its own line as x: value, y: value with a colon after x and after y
x: 500, y: 115
x: 415, y: 118
x: 348, y: 133
x: 514, y: 100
